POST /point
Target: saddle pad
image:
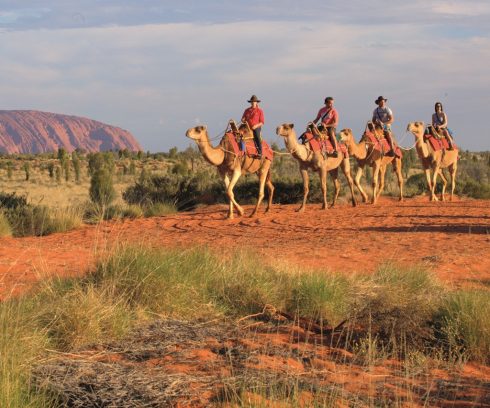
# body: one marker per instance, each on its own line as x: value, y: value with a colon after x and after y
x: 435, y: 143
x: 381, y: 145
x: 323, y: 145
x: 251, y: 150
x: 234, y: 144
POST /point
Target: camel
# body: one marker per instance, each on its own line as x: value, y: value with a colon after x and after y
x: 309, y: 160
x: 231, y: 167
x: 365, y: 154
x: 434, y: 160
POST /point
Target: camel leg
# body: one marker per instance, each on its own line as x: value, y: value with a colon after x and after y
x: 429, y: 183
x: 335, y: 178
x: 236, y: 175
x: 262, y: 177
x: 397, y: 168
x: 306, y: 189
x: 375, y: 182
x: 435, y: 170
x: 346, y: 171
x: 323, y: 183
x: 382, y: 172
x: 444, y: 184
x: 452, y: 171
x: 270, y: 187
x: 226, y: 180
x: 357, y: 181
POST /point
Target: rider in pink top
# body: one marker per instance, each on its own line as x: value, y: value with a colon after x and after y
x: 254, y: 116
x: 329, y: 118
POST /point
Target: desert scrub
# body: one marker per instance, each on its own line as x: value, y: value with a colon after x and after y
x: 5, y: 230
x: 159, y: 209
x: 325, y: 297
x: 82, y: 315
x: 22, y: 344
x: 463, y: 324
x: 169, y: 283
x: 397, y: 303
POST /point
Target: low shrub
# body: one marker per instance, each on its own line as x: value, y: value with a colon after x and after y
x: 5, y: 230
x: 463, y: 324
x: 159, y: 209
x: 397, y: 304
x: 325, y: 297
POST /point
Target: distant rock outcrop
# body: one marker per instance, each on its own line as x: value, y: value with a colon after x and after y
x: 38, y: 132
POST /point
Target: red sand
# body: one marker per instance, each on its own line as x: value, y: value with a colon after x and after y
x: 452, y: 239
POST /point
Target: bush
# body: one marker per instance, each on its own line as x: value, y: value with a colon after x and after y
x: 463, y: 324
x: 325, y: 297
x: 5, y: 230
x: 102, y: 190
x: 159, y: 209
x: 26, y: 219
x: 12, y: 200
x: 396, y: 304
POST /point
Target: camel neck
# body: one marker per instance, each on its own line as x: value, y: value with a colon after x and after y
x: 214, y: 155
x: 358, y: 150
x: 422, y: 147
x: 296, y: 149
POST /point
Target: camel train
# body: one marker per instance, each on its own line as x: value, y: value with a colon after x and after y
x: 236, y: 154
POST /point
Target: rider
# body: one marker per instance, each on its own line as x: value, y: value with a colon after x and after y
x: 254, y: 116
x: 383, y: 115
x: 329, y: 119
x: 439, y: 122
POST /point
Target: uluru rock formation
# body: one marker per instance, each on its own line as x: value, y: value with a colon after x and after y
x: 38, y: 132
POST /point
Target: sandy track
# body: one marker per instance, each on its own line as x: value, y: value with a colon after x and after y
x: 453, y: 239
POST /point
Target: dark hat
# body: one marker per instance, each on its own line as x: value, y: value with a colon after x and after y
x: 254, y: 99
x: 380, y: 98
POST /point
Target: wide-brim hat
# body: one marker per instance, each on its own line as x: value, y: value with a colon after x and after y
x: 253, y: 98
x: 380, y: 98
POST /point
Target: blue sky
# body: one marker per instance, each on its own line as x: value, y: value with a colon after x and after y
x: 157, y: 68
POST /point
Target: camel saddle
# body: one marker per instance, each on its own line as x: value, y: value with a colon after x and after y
x: 250, y: 148
x: 323, y: 145
x: 436, y: 141
x: 380, y: 144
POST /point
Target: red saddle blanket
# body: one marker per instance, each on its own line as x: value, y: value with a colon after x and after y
x: 437, y: 143
x: 250, y: 149
x: 323, y: 145
x: 381, y: 145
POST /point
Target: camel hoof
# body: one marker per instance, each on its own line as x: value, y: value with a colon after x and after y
x: 354, y: 203
x: 253, y: 214
x: 240, y: 211
x: 301, y: 209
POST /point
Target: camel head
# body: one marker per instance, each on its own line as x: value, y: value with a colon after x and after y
x: 285, y: 130
x: 417, y: 128
x: 346, y: 135
x: 197, y: 133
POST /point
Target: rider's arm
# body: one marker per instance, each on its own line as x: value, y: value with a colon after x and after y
x: 261, y: 120
x: 391, y: 118
x: 443, y: 125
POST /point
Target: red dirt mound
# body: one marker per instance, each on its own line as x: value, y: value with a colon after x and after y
x: 452, y: 239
